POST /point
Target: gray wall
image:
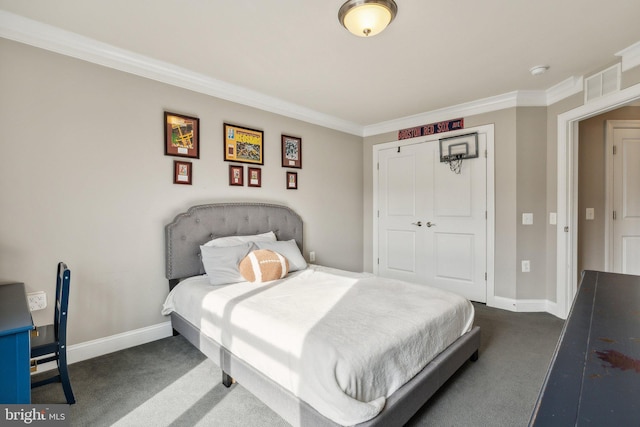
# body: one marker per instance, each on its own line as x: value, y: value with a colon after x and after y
x: 531, y: 125
x: 84, y: 179
x: 591, y: 186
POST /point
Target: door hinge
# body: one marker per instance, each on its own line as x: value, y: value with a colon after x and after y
x: 485, y: 276
x: 378, y: 214
x: 378, y: 261
x: 566, y: 229
x: 378, y: 165
x: 486, y: 215
x: 485, y: 154
x: 615, y: 150
x: 614, y: 215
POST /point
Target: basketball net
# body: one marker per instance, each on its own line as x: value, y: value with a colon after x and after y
x: 455, y: 163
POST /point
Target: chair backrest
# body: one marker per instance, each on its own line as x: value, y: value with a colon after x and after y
x: 62, y: 303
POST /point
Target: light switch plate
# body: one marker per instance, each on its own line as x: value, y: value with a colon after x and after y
x: 553, y: 218
x: 527, y: 218
x: 591, y: 214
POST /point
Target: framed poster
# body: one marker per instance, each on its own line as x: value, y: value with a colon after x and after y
x: 182, y: 172
x: 292, y: 180
x: 291, y: 152
x: 181, y: 135
x: 236, y: 174
x: 254, y: 177
x: 243, y: 145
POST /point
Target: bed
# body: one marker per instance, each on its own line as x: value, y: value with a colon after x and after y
x: 298, y: 382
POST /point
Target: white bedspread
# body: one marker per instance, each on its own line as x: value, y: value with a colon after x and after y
x: 342, y: 342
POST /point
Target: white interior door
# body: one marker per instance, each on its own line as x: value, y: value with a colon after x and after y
x: 431, y: 221
x: 624, y: 224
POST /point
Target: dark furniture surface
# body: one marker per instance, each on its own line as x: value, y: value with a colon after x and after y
x: 50, y: 344
x: 15, y: 325
x: 594, y: 377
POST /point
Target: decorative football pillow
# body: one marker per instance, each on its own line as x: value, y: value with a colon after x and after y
x: 263, y: 265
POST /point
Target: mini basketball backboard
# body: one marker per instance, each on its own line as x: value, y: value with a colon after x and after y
x: 455, y: 149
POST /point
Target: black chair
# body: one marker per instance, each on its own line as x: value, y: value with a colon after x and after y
x: 51, y: 340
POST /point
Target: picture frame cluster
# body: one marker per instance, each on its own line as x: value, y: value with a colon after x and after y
x: 241, y: 145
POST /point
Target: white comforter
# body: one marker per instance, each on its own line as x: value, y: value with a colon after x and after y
x: 342, y: 342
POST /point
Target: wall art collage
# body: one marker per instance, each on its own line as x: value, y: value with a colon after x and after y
x: 241, y: 145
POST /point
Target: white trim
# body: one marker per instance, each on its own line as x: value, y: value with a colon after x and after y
x: 521, y: 98
x: 494, y: 103
x: 630, y: 56
x: 490, y: 199
x: 491, y: 213
x: 566, y: 252
x: 34, y: 33
x: 565, y: 89
x: 525, y: 305
x: 106, y: 345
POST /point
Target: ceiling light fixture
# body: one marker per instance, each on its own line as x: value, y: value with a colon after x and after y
x: 366, y: 18
x: 539, y: 69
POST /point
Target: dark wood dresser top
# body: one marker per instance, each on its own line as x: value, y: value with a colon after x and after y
x: 594, y: 377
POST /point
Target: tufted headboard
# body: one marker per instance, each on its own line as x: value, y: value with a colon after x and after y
x: 189, y: 230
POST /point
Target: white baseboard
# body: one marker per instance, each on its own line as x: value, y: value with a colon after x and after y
x: 106, y: 345
x: 524, y: 305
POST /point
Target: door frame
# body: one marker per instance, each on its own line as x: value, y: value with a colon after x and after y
x: 567, y: 191
x: 611, y: 125
x: 490, y: 189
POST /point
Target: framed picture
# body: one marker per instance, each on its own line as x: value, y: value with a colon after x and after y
x: 292, y: 180
x: 291, y: 152
x: 254, y: 178
x: 236, y: 174
x: 243, y: 145
x: 182, y: 172
x: 181, y: 135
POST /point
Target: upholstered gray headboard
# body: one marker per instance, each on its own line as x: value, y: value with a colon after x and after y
x: 189, y: 230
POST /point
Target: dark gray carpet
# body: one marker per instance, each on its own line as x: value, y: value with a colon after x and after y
x: 170, y: 383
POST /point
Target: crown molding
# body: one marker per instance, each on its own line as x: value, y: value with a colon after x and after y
x: 564, y: 89
x: 493, y: 103
x: 630, y: 56
x: 521, y: 98
x: 18, y: 28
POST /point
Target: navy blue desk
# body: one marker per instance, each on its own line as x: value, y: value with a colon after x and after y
x: 594, y: 377
x: 15, y: 350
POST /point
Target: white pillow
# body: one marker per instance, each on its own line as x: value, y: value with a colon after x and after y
x: 288, y: 249
x: 221, y: 264
x: 223, y: 242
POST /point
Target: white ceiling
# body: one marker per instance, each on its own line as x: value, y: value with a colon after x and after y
x: 437, y: 53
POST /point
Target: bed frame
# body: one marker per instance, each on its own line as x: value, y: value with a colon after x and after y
x: 200, y: 224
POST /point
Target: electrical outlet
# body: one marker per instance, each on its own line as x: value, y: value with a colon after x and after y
x: 37, y: 300
x: 526, y: 266
x: 312, y: 256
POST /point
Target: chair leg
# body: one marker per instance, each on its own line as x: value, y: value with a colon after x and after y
x: 64, y: 377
